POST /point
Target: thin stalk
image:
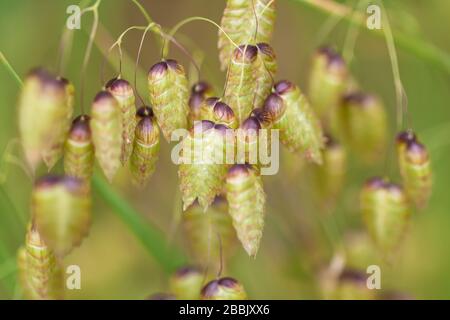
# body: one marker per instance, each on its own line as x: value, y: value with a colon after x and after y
x: 150, y: 236
x: 10, y: 69
x: 419, y: 48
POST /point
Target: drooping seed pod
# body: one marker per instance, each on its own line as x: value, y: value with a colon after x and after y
x: 224, y: 289
x: 415, y: 168
x: 199, y: 93
x: 186, y: 283
x: 330, y: 175
x: 210, y: 235
x: 146, y: 147
x: 40, y: 273
x: 265, y: 70
x: 240, y: 24
x: 106, y: 126
x: 62, y: 212
x: 124, y: 94
x: 203, y: 168
x: 300, y: 129
x: 246, y: 200
x: 241, y: 81
x: 327, y: 82
x: 43, y: 115
x: 214, y: 110
x: 61, y: 129
x: 362, y: 123
x: 385, y: 211
x: 79, y: 150
x: 169, y: 96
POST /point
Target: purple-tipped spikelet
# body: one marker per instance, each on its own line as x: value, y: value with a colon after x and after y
x: 186, y: 283
x: 200, y: 91
x: 146, y: 147
x: 327, y: 83
x: 44, y: 112
x: 106, y: 126
x: 213, y: 109
x: 241, y: 83
x: 246, y: 199
x: 300, y: 129
x: 239, y: 23
x: 79, y: 152
x: 224, y: 289
x: 203, y: 168
x: 362, y: 124
x: 40, y: 273
x: 124, y: 94
x: 265, y: 70
x: 169, y: 96
x: 415, y: 168
x: 61, y: 209
x: 385, y: 210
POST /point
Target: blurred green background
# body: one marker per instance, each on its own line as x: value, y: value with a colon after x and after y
x: 115, y: 265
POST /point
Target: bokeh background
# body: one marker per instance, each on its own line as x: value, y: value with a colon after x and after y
x: 297, y: 239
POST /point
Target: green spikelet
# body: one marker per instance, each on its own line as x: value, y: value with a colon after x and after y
x: 415, y: 168
x: 385, y: 211
x: 146, y: 147
x: 265, y: 70
x: 214, y: 110
x: 169, y: 96
x: 300, y: 129
x: 106, y: 126
x: 327, y: 83
x: 246, y: 200
x: 224, y: 289
x: 247, y: 140
x: 61, y: 128
x: 239, y: 22
x: 199, y: 93
x: 43, y: 114
x: 202, y: 171
x: 363, y: 125
x: 186, y: 283
x: 124, y: 94
x: 40, y: 274
x: 330, y: 175
x: 241, y: 81
x: 62, y: 212
x: 79, y: 150
x: 208, y: 232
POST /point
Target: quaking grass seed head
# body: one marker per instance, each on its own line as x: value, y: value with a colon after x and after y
x: 186, y: 283
x: 415, y: 168
x: 224, y: 289
x: 265, y: 70
x: 169, y: 95
x: 43, y: 115
x: 79, y: 150
x: 386, y: 212
x: 61, y: 208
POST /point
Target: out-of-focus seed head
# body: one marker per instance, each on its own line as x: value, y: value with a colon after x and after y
x: 224, y: 289
x: 203, y: 126
x: 360, y: 99
x: 199, y: 92
x: 238, y: 171
x: 161, y: 296
x: 119, y: 87
x: 334, y: 60
x: 187, y: 282
x: 266, y: 49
